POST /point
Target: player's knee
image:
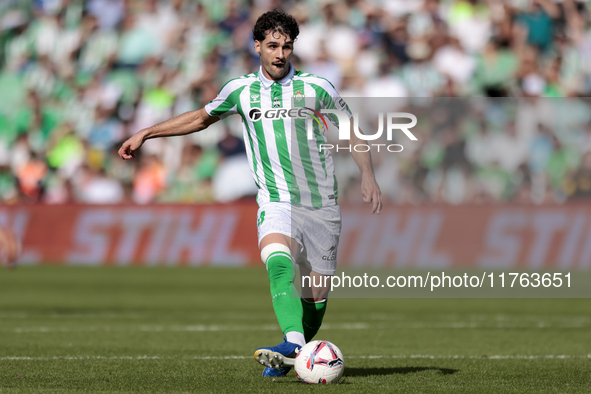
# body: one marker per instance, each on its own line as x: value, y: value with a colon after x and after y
x: 279, y: 263
x: 274, y: 248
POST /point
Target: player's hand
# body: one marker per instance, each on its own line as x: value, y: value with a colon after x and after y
x: 8, y: 246
x: 371, y: 193
x: 127, y: 150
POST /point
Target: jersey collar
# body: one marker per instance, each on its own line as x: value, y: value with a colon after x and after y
x: 283, y: 81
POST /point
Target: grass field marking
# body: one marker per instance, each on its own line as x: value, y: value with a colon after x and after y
x: 20, y: 330
x: 264, y: 327
x: 347, y: 326
x: 328, y: 326
x: 32, y: 315
x: 124, y: 315
x: 57, y: 358
x: 190, y: 328
x: 483, y: 318
x: 494, y: 357
x: 399, y: 356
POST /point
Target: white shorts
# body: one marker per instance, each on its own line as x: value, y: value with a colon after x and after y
x: 316, y: 230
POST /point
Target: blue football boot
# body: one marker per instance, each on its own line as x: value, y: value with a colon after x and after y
x: 282, y: 355
x: 276, y: 372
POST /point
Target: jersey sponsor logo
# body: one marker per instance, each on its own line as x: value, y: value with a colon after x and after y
x: 332, y: 254
x: 282, y: 113
x: 317, y: 116
x: 255, y: 114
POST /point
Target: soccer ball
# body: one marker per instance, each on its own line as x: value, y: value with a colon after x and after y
x: 319, y: 362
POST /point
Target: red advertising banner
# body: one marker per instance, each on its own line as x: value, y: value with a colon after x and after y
x: 135, y: 235
x: 527, y: 237
x: 225, y: 235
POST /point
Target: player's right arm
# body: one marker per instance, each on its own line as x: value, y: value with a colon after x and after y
x: 187, y: 123
x: 225, y: 104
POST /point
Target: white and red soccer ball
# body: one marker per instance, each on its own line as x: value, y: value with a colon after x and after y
x: 319, y: 362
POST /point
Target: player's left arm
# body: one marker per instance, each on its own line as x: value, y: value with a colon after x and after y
x: 369, y: 187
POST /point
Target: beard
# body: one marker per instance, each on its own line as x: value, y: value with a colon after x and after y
x: 278, y: 70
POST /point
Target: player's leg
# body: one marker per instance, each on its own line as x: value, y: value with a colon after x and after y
x: 317, y: 264
x: 277, y: 251
x: 314, y: 299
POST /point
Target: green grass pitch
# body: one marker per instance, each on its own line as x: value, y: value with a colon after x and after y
x: 192, y: 330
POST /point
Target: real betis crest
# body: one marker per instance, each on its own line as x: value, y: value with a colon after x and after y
x: 298, y: 96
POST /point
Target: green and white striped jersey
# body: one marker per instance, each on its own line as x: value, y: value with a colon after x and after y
x: 285, y: 164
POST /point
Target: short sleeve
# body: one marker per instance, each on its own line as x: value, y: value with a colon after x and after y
x: 331, y: 99
x: 227, y: 101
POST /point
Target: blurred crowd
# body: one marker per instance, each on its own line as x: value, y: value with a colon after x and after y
x: 478, y: 150
x: 79, y: 77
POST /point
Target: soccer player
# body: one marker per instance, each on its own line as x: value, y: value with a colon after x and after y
x: 299, y: 221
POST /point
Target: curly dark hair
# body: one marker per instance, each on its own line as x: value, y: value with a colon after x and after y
x: 275, y: 21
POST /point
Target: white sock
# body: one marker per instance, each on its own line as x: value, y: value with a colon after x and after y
x: 295, y: 337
